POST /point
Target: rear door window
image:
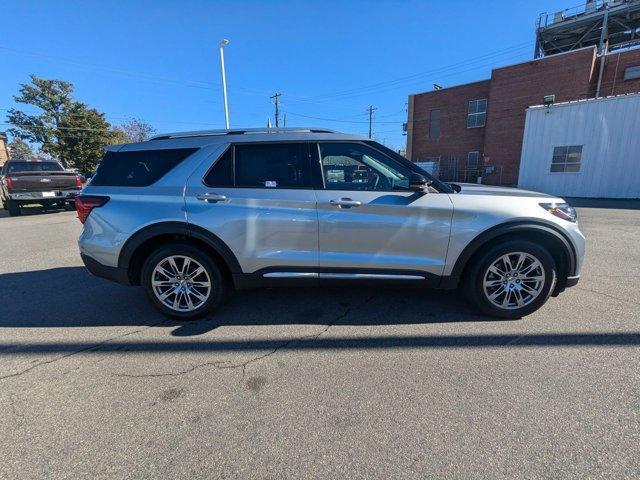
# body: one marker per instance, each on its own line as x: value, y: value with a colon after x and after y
x: 139, y: 168
x: 276, y: 165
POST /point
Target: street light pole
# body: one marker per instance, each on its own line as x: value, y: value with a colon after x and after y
x: 223, y: 43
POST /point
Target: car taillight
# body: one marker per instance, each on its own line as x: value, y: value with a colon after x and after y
x: 78, y: 181
x: 8, y: 182
x: 86, y: 203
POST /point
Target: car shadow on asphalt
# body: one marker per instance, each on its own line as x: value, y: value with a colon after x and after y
x: 71, y: 297
x: 32, y: 211
x: 610, y: 203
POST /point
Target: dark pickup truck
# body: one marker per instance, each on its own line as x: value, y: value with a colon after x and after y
x: 43, y: 182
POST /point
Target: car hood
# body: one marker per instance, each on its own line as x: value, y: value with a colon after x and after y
x: 479, y: 189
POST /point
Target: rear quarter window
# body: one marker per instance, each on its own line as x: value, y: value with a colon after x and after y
x: 137, y: 169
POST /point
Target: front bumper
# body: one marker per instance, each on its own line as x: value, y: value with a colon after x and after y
x: 46, y: 195
x: 115, y: 274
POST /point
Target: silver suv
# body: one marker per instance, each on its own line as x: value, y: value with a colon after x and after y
x: 192, y: 216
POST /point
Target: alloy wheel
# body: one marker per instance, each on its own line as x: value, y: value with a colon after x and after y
x: 514, y: 280
x: 181, y: 283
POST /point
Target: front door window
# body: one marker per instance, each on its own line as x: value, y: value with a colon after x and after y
x: 352, y: 166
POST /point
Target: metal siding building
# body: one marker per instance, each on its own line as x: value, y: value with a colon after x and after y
x: 607, y: 129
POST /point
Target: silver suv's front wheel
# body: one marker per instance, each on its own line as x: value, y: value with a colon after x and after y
x: 511, y: 279
x: 183, y: 281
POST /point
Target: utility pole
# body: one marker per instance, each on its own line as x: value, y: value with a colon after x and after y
x: 276, y: 98
x: 371, y: 109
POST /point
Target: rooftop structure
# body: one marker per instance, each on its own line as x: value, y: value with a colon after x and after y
x: 606, y: 24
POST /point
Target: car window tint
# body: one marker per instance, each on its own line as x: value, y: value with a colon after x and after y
x: 139, y: 168
x: 351, y: 166
x: 34, y: 167
x: 282, y: 165
x: 221, y: 173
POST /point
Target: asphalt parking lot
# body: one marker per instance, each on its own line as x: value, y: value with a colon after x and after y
x: 343, y: 383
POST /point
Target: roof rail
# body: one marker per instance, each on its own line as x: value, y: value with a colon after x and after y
x: 242, y: 131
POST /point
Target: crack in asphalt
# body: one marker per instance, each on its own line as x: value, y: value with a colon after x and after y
x: 18, y: 417
x: 75, y: 352
x: 225, y: 364
x: 608, y: 295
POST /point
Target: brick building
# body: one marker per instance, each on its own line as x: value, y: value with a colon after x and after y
x: 4, y: 151
x: 476, y: 129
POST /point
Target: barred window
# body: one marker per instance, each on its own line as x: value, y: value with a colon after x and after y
x: 472, y: 159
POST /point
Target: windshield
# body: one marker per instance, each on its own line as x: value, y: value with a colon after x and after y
x: 34, y: 167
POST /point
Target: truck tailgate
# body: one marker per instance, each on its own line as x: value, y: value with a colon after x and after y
x: 42, y: 181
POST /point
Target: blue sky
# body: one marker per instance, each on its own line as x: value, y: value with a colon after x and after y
x: 158, y: 60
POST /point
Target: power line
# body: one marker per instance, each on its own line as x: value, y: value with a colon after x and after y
x: 369, y: 88
x: 210, y: 86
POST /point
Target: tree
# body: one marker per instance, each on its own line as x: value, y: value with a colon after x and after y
x: 84, y: 134
x: 135, y: 130
x: 20, y: 150
x: 65, y: 129
x: 53, y: 97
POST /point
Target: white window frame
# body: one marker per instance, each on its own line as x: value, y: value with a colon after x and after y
x: 567, y: 158
x: 477, y: 165
x: 475, y: 113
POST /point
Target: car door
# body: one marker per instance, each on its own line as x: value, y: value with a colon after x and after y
x: 371, y: 224
x: 258, y: 199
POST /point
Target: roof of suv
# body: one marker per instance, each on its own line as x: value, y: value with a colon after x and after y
x: 247, y: 135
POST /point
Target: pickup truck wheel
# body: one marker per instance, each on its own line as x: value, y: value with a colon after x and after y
x: 183, y: 282
x: 13, y: 207
x: 511, y: 279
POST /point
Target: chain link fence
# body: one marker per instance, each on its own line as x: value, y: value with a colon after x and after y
x: 456, y: 169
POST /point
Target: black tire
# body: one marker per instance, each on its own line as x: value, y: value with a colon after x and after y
x: 475, y: 275
x: 69, y: 206
x: 14, y: 208
x: 220, y: 284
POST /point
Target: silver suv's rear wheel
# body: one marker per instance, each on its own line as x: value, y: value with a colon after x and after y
x: 183, y: 281
x: 511, y: 279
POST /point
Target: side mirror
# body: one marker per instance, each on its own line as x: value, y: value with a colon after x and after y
x: 418, y: 183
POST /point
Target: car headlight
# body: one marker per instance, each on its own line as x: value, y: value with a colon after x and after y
x: 561, y: 210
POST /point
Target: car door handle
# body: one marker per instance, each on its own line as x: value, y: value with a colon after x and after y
x: 211, y: 197
x: 345, y: 203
